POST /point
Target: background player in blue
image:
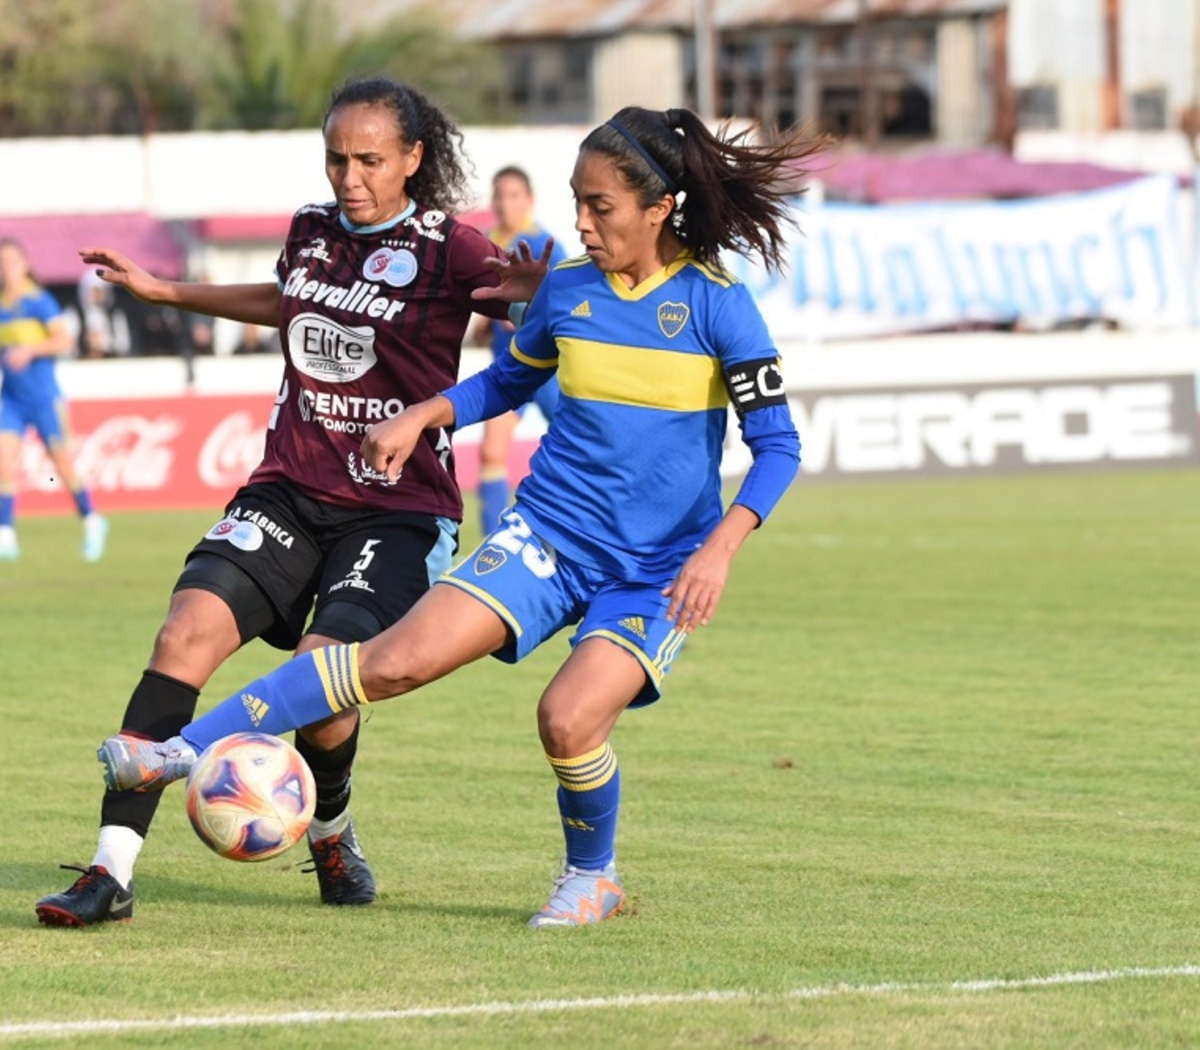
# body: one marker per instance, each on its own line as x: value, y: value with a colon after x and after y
x: 513, y: 204
x: 619, y: 527
x: 32, y: 336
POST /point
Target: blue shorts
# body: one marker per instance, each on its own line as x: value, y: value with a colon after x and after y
x: 48, y: 418
x: 538, y: 593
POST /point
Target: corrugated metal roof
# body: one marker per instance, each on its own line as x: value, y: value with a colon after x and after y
x: 515, y: 19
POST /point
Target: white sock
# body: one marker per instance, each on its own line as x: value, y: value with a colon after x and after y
x: 323, y: 829
x: 117, y: 851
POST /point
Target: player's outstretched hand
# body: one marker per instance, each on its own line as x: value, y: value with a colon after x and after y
x: 520, y: 273
x: 120, y: 270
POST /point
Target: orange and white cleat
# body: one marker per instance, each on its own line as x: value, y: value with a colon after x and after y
x: 581, y: 896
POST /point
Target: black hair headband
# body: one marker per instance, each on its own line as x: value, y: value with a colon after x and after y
x: 628, y: 136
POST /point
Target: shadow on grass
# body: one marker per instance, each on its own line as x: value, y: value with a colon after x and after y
x: 35, y: 880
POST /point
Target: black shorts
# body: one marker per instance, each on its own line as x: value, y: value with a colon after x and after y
x: 297, y: 550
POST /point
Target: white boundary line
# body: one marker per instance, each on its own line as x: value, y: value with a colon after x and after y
x: 614, y: 1002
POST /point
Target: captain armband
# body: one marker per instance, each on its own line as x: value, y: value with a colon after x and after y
x: 755, y: 384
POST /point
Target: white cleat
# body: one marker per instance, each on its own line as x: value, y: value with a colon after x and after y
x: 10, y: 550
x: 95, y: 534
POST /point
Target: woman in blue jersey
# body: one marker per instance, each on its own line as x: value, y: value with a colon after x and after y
x: 32, y: 336
x: 619, y: 527
x: 512, y: 204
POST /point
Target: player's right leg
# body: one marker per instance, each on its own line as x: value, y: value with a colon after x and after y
x: 11, y: 430
x: 199, y: 633
x: 243, y: 580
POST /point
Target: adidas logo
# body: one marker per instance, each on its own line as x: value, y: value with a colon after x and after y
x: 584, y: 309
x: 634, y: 625
x: 257, y: 709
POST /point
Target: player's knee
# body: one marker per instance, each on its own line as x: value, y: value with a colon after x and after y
x: 563, y: 732
x: 493, y: 452
x: 388, y: 670
x: 180, y: 635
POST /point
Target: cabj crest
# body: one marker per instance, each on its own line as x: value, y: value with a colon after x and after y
x: 489, y: 559
x: 672, y: 317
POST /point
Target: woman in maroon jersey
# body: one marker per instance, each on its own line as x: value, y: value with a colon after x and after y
x: 372, y: 295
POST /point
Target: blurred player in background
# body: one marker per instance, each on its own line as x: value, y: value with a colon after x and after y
x: 512, y: 204
x: 619, y: 526
x: 33, y: 334
x: 372, y: 294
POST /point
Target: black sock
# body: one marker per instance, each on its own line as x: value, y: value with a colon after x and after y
x: 158, y: 709
x: 331, y: 771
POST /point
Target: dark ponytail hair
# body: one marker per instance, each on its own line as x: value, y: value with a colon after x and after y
x: 734, y: 192
x: 441, y: 180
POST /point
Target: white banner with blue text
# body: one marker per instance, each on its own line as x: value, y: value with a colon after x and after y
x: 1121, y: 254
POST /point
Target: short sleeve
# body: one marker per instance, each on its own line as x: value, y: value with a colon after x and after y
x: 284, y: 263
x: 466, y: 251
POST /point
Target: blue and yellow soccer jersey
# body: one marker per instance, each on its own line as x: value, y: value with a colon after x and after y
x: 627, y: 478
x: 23, y: 320
x: 536, y: 238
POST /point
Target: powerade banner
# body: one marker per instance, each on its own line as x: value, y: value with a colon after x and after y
x: 1119, y: 254
x: 1015, y: 426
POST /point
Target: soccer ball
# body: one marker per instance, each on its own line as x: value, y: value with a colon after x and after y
x: 250, y: 796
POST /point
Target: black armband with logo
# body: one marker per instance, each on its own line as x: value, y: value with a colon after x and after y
x: 755, y: 384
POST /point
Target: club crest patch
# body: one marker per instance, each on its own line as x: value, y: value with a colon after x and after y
x: 489, y: 559
x: 672, y: 317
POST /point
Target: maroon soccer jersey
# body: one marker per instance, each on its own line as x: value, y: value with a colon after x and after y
x: 371, y: 323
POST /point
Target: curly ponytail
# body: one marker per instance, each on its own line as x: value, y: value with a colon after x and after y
x: 730, y: 193
x: 441, y: 180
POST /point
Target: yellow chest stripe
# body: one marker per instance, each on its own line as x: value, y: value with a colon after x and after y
x: 634, y: 375
x: 21, y: 331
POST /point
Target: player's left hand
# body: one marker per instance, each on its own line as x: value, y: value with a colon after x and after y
x: 18, y: 357
x: 695, y: 592
x: 520, y: 273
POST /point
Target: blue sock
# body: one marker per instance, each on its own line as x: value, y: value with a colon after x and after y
x: 8, y: 508
x: 83, y: 500
x: 589, y: 796
x: 305, y: 690
x: 493, y: 500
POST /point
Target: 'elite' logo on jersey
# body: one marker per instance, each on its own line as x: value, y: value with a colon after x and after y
x: 489, y: 559
x: 672, y: 317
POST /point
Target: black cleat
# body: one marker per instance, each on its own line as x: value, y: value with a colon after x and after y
x: 95, y: 897
x: 342, y: 871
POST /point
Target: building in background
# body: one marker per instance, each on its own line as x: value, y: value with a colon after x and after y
x: 957, y: 71
x: 1088, y: 66
x: 868, y: 69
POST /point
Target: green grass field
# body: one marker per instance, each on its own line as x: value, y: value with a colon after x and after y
x: 941, y: 732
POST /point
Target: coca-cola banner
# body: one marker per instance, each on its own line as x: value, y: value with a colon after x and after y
x: 161, y: 453
x: 189, y: 451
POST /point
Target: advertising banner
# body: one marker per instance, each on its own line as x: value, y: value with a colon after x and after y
x: 863, y: 270
x: 1077, y: 423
